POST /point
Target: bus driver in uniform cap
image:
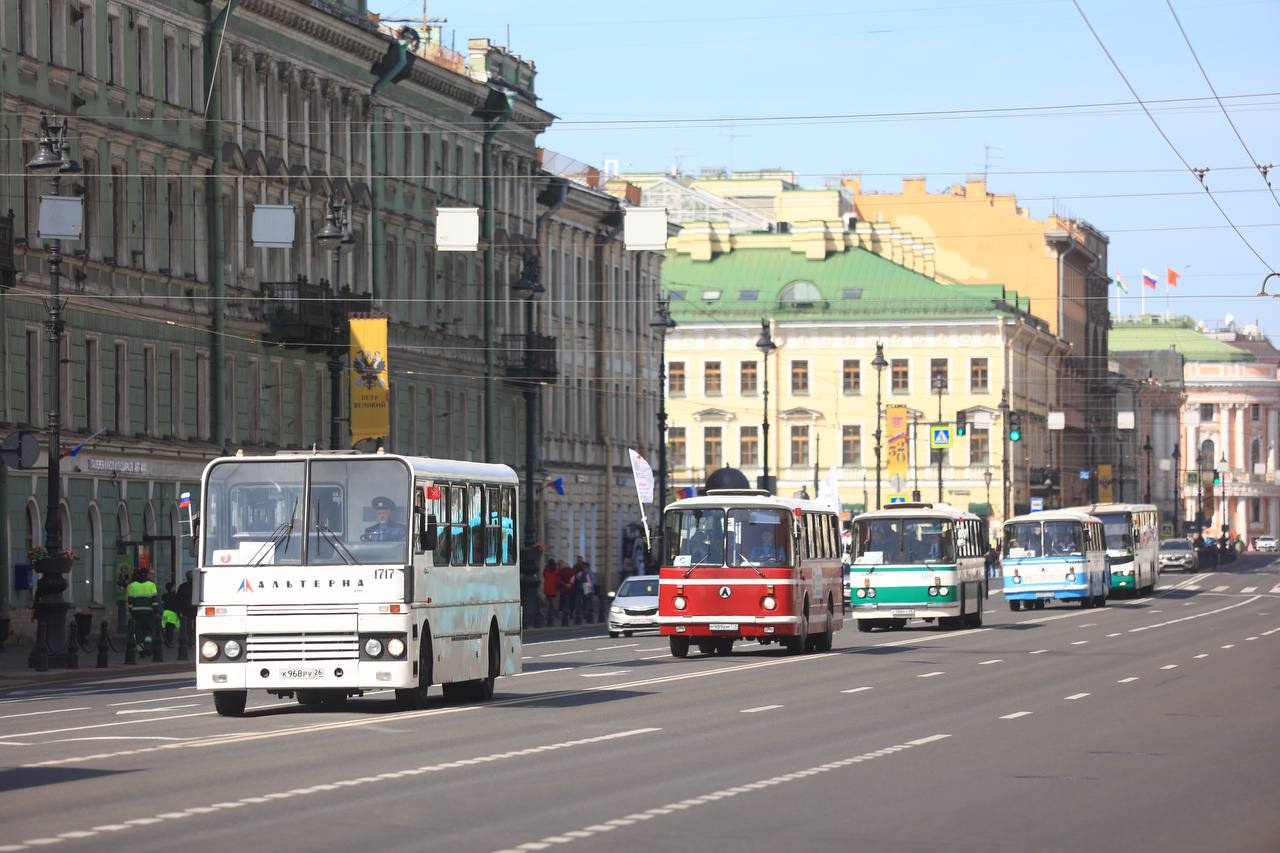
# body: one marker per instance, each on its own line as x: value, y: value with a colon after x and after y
x: 385, y: 530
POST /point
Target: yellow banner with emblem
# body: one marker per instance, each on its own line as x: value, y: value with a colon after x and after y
x: 370, y: 416
x: 1106, y: 484
x: 896, y: 429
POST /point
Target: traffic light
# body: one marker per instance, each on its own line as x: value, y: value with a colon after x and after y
x: 1217, y: 478
x: 962, y: 425
x: 1015, y: 426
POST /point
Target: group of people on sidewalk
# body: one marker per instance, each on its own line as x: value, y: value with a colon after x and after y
x: 571, y: 592
x: 173, y: 614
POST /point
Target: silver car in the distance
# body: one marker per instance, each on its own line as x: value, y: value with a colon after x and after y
x: 1177, y: 554
x: 634, y: 606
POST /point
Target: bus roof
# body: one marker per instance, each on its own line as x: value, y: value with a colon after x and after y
x: 918, y: 510
x: 746, y: 497
x: 1094, y: 509
x: 425, y: 466
x: 1053, y: 515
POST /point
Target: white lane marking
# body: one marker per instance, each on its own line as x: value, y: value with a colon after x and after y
x: 989, y: 662
x: 156, y: 710
x: 1228, y: 646
x: 929, y: 674
x: 619, y: 646
x: 855, y: 689
x: 566, y: 640
x: 1250, y: 638
x: 1128, y: 680
x: 1220, y: 588
x: 1202, y: 655
x: 1248, y: 589
x: 562, y: 654
x: 654, y: 649
x: 42, y: 713
x: 541, y: 671
x: 757, y: 710
x: 603, y: 674
x: 363, y: 780
x: 1075, y: 696
x: 1275, y: 589
x: 655, y: 657
x: 1038, y: 652
x: 1155, y: 611
x: 595, y: 829
x: 1080, y: 643
x: 145, y: 701
x: 1116, y: 634
x: 1170, y: 666
x: 1015, y: 715
x: 1193, y: 587
x: 1088, y: 625
x: 1195, y: 615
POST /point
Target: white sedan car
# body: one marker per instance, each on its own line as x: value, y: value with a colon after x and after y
x: 634, y: 606
x: 1265, y: 543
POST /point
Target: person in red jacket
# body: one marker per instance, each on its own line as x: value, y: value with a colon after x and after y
x: 549, y: 586
x: 564, y: 588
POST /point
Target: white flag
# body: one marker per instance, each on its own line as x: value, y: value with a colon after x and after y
x: 643, y: 475
x: 829, y: 490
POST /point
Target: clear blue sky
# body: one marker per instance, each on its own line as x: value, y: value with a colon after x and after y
x: 611, y: 71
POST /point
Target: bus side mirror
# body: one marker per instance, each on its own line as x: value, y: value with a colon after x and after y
x: 611, y: 594
x: 427, y: 537
x: 193, y: 544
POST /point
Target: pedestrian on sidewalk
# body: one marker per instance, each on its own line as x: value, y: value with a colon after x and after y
x: 186, y: 611
x: 578, y: 594
x: 590, y: 591
x: 564, y: 591
x: 142, y: 596
x: 169, y: 615
x: 550, y: 587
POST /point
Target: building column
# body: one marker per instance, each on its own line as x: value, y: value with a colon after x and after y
x: 1273, y: 422
x: 1239, y: 453
x: 1224, y: 434
x: 1272, y: 506
x: 1240, y: 524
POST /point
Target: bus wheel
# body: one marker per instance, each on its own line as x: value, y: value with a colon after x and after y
x: 897, y: 624
x: 680, y: 647
x: 230, y: 703
x: 1086, y: 602
x: 1100, y: 600
x: 308, y: 698
x: 707, y: 647
x: 1040, y: 603
x: 822, y: 642
x: 799, y: 644
x: 724, y: 647
x: 865, y: 626
x: 974, y: 619
x: 949, y: 623
x: 412, y: 698
x: 1015, y: 605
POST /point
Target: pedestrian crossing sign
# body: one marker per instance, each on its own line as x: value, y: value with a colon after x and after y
x: 940, y: 436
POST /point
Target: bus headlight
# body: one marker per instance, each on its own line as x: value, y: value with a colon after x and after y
x: 232, y: 649
x: 769, y: 603
x: 862, y: 593
x: 373, y: 647
x: 679, y: 602
x: 1071, y: 577
x: 1017, y: 578
x: 395, y: 647
x: 209, y: 650
x: 942, y: 590
x: 933, y: 590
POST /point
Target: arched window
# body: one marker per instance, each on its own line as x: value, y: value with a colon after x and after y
x: 800, y: 292
x: 93, y: 555
x: 1207, y: 457
x: 34, y: 535
x: 1255, y: 454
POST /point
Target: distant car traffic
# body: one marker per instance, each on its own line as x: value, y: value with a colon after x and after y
x: 1265, y: 543
x: 1178, y: 554
x: 634, y: 606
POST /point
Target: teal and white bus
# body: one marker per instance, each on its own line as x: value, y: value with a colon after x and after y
x: 918, y: 561
x: 1058, y: 555
x: 1133, y: 544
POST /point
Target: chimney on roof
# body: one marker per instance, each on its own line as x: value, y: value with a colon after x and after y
x: 913, y: 187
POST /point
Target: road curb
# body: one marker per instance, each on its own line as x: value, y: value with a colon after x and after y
x: 14, y: 681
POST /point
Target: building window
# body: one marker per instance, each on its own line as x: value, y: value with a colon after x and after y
x: 1255, y: 454
x: 1255, y: 412
x: 92, y: 366
x: 711, y: 378
x: 851, y: 445
x: 979, y: 377
x: 229, y: 397
x: 748, y: 377
x: 748, y: 446
x: 1255, y: 510
x: 115, y: 49
x: 58, y: 32
x: 148, y: 390
x: 1206, y: 412
x: 119, y: 216
x: 937, y: 374
x: 144, y: 60
x: 33, y: 401
x: 676, y: 447
x: 712, y: 447
x: 170, y: 69
x: 800, y: 445
x: 675, y: 379
x: 121, y: 425
x: 195, y: 62
x: 86, y: 35
x: 851, y: 376
x: 26, y: 27
x: 979, y: 445
x: 800, y: 377
x: 202, y: 392
x: 899, y: 376
x: 254, y: 402
x: 175, y: 393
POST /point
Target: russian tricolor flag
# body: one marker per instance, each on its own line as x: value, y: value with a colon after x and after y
x: 688, y: 492
x: 1148, y: 280
x: 184, y: 500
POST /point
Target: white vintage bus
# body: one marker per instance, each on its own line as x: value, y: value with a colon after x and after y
x: 326, y: 574
x: 1133, y: 543
x: 1054, y: 555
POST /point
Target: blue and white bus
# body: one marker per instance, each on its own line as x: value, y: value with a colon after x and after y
x: 1060, y: 555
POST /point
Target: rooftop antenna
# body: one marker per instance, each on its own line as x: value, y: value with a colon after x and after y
x: 426, y: 25
x: 986, y: 159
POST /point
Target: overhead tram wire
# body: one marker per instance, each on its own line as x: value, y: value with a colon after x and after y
x: 1261, y: 170
x: 1199, y: 176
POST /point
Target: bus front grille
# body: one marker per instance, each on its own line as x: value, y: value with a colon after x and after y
x: 302, y: 647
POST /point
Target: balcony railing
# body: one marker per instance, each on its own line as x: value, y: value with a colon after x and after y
x: 301, y: 314
x: 530, y: 356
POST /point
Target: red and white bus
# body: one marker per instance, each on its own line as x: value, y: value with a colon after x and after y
x: 740, y: 564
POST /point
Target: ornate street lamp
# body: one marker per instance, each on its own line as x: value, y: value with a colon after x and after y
x: 528, y: 288
x: 939, y: 387
x: 1177, y: 500
x: 766, y: 346
x: 335, y: 235
x: 879, y: 364
x: 987, y: 478
x: 1004, y: 451
x: 662, y: 323
x: 53, y: 156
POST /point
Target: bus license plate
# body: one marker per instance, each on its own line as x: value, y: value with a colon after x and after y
x: 722, y: 626
x: 1044, y: 595
x: 301, y: 674
x: 904, y: 613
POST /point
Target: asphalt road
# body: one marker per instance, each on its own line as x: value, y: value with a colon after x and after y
x: 1148, y: 725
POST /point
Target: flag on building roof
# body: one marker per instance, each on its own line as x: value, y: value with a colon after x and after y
x: 557, y: 484
x: 1171, y: 276
x: 184, y: 500
x: 688, y: 492
x: 1148, y: 280
x: 1120, y: 283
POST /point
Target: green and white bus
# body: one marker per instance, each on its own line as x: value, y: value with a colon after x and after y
x: 918, y: 561
x: 1133, y: 543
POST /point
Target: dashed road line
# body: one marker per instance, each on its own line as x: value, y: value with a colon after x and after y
x: 856, y: 689
x: 1080, y: 643
x: 1275, y: 590
x: 1248, y: 589
x: 989, y: 662
x: 1195, y: 615
x: 1202, y: 655
x: 1221, y: 588
x: 619, y: 646
x: 757, y: 710
x: 1038, y: 652
x: 42, y: 713
x: 541, y: 671
x: 603, y: 674
x: 930, y: 674
x: 1170, y: 666
x: 1075, y: 696
x: 1116, y: 634
x: 1128, y: 680
x: 1015, y: 715
x: 1228, y: 646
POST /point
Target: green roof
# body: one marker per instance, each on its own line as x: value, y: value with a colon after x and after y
x: 1153, y: 333
x: 853, y: 284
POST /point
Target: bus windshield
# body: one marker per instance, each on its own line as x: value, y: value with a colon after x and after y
x: 1119, y: 531
x: 903, y: 540
x: 1052, y: 538
x: 713, y: 536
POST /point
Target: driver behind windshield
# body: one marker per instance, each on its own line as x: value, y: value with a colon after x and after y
x: 761, y: 546
x: 385, y: 529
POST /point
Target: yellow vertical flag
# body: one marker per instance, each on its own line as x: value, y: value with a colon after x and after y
x: 369, y: 379
x: 895, y: 423
x: 1106, y: 483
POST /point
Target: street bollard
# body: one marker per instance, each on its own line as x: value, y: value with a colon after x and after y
x: 104, y: 643
x: 130, y: 644
x: 73, y: 646
x: 39, y: 658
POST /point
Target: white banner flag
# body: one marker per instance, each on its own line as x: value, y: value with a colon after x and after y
x: 643, y: 475
x: 829, y: 490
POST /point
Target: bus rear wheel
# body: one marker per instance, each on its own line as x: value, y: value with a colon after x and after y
x: 799, y: 644
x: 822, y: 642
x: 230, y: 703
x: 865, y: 626
x: 1014, y: 605
x: 479, y: 689
x: 413, y: 698
x: 679, y: 647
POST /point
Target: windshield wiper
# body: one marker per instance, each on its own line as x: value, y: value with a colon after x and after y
x: 331, y: 538
x: 281, y: 534
x: 746, y: 561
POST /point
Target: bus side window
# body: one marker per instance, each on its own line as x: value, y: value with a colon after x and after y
x: 492, y: 526
x: 474, y: 519
x: 458, y: 524
x: 440, y: 509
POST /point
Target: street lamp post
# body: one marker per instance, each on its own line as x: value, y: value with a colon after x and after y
x: 939, y: 388
x: 527, y: 287
x: 53, y: 157
x: 1146, y: 448
x: 1177, y: 502
x: 879, y: 364
x: 1004, y: 451
x: 766, y: 346
x: 987, y: 477
x: 336, y: 235
x: 663, y: 323
x: 1120, y: 465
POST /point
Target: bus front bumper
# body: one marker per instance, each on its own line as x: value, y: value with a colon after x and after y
x: 926, y: 610
x: 728, y: 626
x: 278, y: 675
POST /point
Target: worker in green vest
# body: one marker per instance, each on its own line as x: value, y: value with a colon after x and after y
x: 142, y: 595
